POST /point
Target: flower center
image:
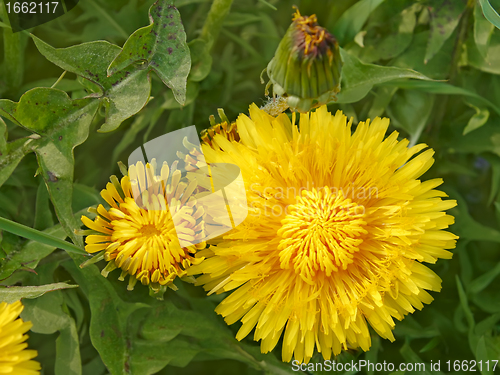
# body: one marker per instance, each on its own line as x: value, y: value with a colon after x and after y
x: 149, y: 230
x: 321, y: 232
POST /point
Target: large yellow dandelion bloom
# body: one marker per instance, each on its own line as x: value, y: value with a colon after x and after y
x: 339, y: 225
x: 140, y: 232
x: 14, y: 358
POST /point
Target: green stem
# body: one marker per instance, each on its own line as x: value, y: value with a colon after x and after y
x: 35, y: 235
x: 213, y: 24
x: 59, y: 79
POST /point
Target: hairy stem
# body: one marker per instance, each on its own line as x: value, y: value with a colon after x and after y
x: 213, y: 24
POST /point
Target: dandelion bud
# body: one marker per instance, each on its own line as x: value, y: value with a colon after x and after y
x: 306, y: 67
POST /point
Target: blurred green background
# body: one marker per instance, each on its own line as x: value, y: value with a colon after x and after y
x: 457, y: 114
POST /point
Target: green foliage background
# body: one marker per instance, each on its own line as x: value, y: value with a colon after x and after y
x: 99, y: 327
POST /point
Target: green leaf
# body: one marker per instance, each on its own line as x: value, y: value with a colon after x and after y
x: 483, y: 356
x: 389, y: 41
x: 123, y: 95
x: 443, y: 88
x: 68, y: 361
x: 488, y: 62
x: 490, y: 13
x: 477, y: 285
x: 30, y: 254
x: 487, y: 324
x: 465, y: 224
x: 466, y: 269
x: 201, y: 60
x: 483, y: 30
x: 149, y: 357
x: 411, y: 357
x: 46, y: 313
x: 477, y: 120
x: 43, y: 215
x: 353, y: 19
x: 12, y: 155
x: 403, y: 109
x: 148, y: 116
x: 413, y: 56
x: 62, y: 124
x: 464, y: 303
x: 162, y: 45
x: 430, y: 345
x: 15, y: 293
x: 14, y: 45
x: 358, y: 78
x: 445, y: 16
x: 383, y: 96
x: 109, y: 329
x: 495, y: 177
x: 3, y: 137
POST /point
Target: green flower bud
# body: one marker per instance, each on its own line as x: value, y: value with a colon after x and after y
x: 306, y: 68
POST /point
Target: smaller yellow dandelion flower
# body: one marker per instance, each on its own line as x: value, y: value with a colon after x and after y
x: 140, y: 231
x: 14, y: 358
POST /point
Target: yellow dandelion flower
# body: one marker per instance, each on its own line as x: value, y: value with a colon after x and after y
x: 14, y: 358
x: 339, y: 227
x: 140, y: 231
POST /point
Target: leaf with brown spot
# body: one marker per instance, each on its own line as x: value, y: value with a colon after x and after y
x: 123, y: 95
x: 162, y: 45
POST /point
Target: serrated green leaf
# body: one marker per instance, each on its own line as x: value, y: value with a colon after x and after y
x: 445, y: 16
x: 358, y: 78
x: 490, y: 13
x: 353, y: 19
x: 162, y: 45
x: 123, y: 95
x: 15, y: 293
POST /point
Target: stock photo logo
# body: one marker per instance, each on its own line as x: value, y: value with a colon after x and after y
x: 25, y: 15
x: 214, y: 192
